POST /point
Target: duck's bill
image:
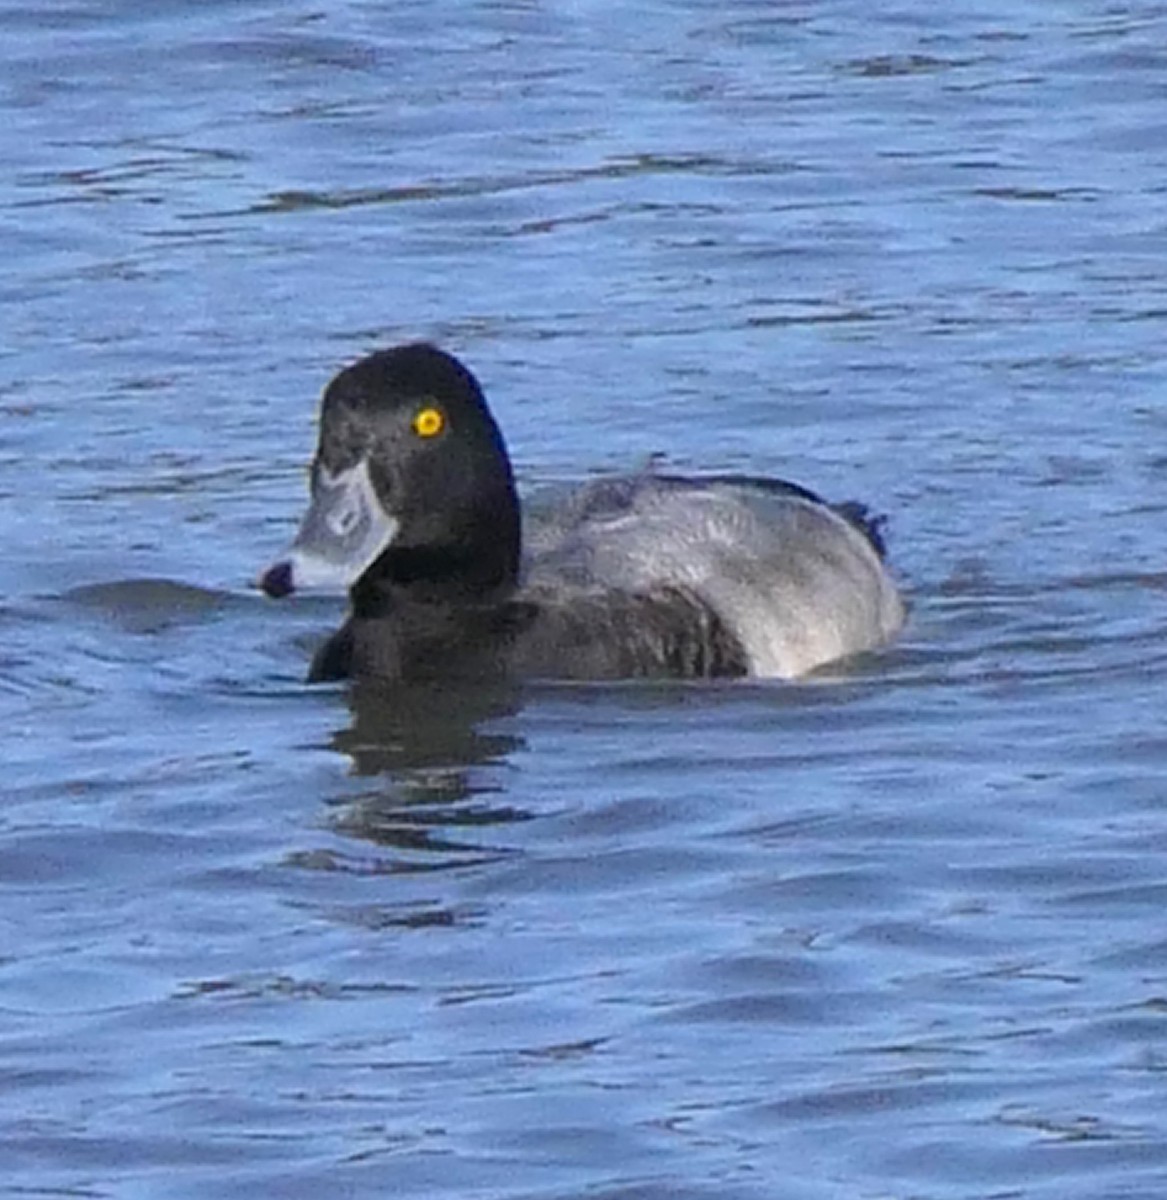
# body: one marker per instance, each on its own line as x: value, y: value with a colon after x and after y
x: 344, y: 531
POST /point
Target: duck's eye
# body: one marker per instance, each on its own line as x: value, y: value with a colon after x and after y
x: 428, y: 422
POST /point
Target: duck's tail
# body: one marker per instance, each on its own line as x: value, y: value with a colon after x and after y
x: 870, y: 524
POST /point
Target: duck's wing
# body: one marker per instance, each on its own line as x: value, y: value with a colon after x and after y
x: 796, y: 581
x: 867, y: 522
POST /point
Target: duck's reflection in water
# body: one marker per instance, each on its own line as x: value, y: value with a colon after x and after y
x: 436, y: 756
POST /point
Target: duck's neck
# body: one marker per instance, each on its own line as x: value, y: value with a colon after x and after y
x: 481, y: 567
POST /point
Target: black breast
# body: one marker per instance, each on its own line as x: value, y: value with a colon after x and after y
x: 666, y: 633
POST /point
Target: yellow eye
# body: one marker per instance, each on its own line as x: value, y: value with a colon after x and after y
x: 429, y: 422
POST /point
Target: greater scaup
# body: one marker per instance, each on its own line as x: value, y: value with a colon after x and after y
x: 414, y: 510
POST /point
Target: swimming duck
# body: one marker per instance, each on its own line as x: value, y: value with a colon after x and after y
x: 414, y: 510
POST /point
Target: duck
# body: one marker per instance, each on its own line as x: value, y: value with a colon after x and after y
x: 414, y: 511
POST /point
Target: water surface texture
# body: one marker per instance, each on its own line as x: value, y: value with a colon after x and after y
x: 893, y: 933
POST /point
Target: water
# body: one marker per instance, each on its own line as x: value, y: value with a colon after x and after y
x: 896, y: 932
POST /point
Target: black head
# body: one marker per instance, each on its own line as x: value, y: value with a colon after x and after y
x: 411, y: 486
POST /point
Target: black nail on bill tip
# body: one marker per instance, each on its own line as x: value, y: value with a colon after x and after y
x: 277, y: 581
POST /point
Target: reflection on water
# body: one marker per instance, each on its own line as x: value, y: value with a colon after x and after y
x: 428, y: 729
x: 426, y: 747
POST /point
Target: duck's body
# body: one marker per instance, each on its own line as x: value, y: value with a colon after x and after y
x: 647, y: 575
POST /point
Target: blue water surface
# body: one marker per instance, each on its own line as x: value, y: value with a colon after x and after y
x: 894, y: 932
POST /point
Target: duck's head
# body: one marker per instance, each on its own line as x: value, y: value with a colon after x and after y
x: 411, y: 487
